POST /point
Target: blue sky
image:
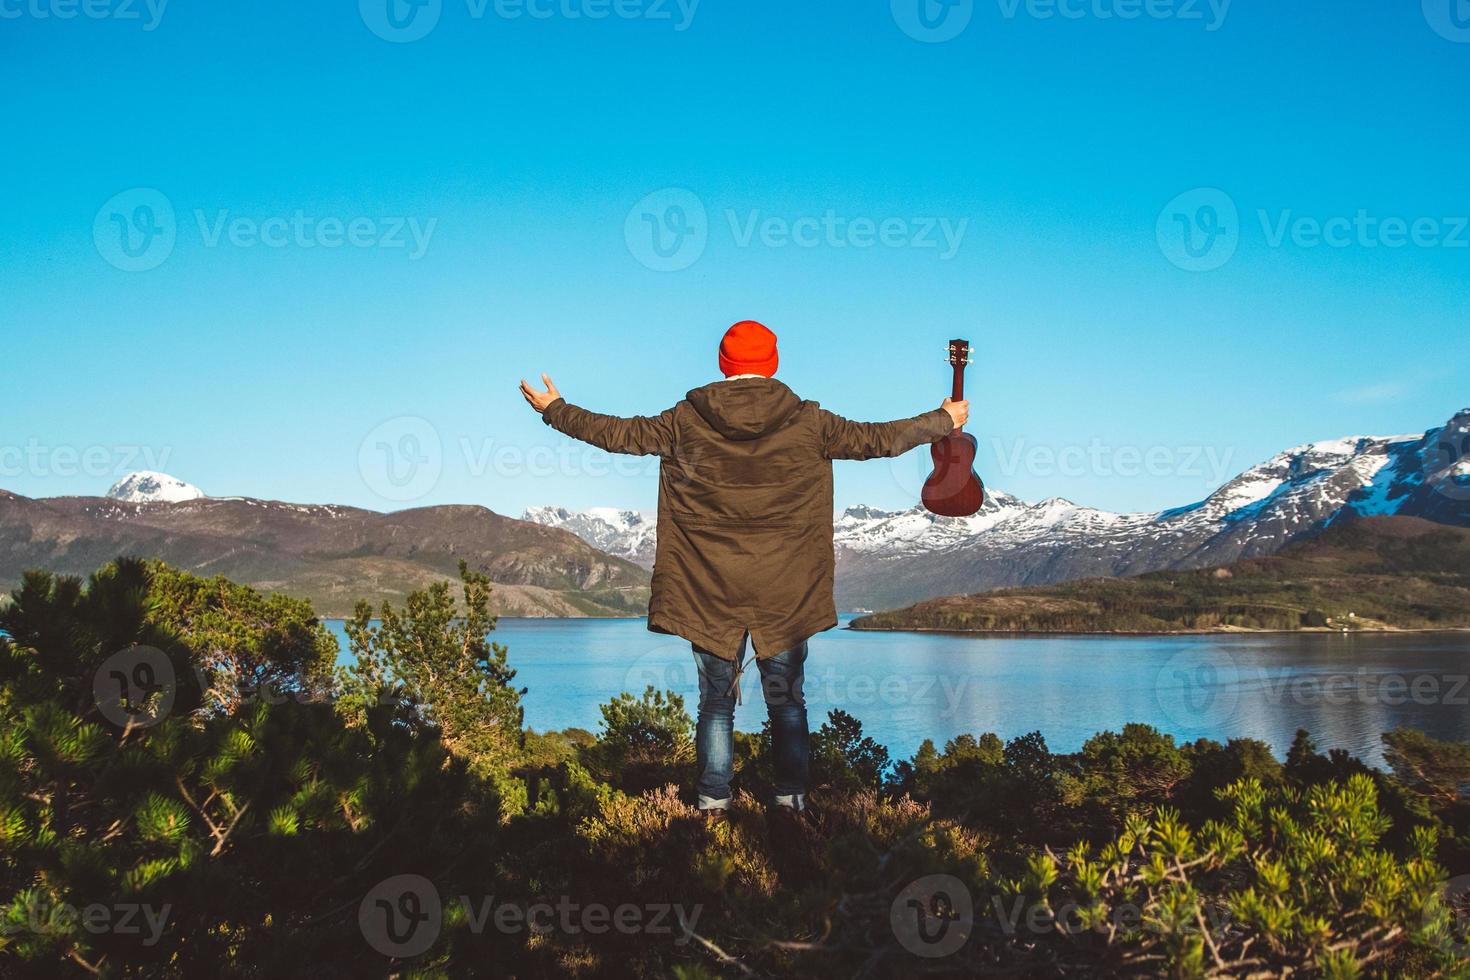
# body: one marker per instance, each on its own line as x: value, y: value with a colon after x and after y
x: 1032, y: 176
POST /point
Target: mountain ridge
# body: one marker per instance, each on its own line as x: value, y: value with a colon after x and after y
x: 887, y: 559
x: 555, y: 561
x: 331, y: 554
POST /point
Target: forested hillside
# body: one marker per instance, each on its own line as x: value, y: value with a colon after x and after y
x: 1367, y: 574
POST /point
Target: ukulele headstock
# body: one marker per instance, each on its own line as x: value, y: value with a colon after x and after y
x: 959, y: 353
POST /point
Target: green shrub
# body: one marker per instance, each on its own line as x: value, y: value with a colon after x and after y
x: 252, y: 829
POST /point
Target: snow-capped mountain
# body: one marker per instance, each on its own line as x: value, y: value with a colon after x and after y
x: 626, y: 534
x: 916, y: 532
x: 892, y: 558
x: 146, y: 487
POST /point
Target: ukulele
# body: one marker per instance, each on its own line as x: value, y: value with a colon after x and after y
x: 953, y: 489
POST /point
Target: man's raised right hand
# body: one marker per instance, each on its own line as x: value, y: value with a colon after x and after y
x: 959, y: 411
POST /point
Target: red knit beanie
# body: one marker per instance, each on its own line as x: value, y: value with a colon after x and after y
x: 748, y: 348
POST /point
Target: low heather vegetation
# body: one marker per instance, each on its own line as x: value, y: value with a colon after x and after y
x: 189, y: 787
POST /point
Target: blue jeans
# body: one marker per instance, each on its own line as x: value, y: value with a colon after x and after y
x: 781, y: 682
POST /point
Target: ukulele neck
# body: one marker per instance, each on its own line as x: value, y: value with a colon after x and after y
x: 959, y: 356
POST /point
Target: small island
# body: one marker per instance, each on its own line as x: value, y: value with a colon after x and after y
x: 1377, y: 573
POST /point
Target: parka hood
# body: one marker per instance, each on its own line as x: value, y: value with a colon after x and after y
x: 746, y: 408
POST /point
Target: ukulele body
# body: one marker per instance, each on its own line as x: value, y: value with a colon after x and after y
x: 953, y: 489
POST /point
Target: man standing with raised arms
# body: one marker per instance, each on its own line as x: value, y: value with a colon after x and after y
x: 745, y: 536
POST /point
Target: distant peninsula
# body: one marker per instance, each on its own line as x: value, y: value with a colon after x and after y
x: 1368, y: 574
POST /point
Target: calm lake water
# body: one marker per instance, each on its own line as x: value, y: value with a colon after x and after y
x: 906, y: 687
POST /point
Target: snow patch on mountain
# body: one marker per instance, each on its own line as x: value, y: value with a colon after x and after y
x: 148, y: 487
x: 630, y: 534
